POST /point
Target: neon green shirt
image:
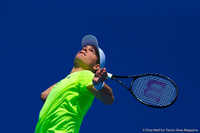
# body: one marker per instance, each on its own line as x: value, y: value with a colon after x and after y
x: 66, y: 105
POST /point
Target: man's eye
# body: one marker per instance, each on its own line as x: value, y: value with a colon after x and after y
x: 92, y: 51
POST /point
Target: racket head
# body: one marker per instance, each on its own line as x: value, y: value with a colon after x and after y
x: 154, y: 90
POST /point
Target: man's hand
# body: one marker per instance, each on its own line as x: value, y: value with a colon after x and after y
x: 105, y: 93
x: 100, y: 76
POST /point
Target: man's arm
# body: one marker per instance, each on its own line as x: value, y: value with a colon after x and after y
x: 45, y: 94
x: 104, y: 94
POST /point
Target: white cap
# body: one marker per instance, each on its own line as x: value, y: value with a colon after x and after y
x: 92, y: 40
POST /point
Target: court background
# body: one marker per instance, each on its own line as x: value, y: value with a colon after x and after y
x: 39, y: 40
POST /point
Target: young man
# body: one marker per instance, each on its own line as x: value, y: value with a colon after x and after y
x: 67, y: 102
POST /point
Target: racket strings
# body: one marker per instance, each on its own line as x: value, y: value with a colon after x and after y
x: 154, y: 90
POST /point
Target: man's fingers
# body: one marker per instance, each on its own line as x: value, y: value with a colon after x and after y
x: 101, y: 75
x: 104, y: 74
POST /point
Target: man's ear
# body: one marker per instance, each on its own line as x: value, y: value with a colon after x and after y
x: 97, y: 67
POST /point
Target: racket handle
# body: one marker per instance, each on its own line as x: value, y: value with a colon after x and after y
x: 109, y: 75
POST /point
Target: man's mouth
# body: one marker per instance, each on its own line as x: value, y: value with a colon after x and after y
x: 82, y: 52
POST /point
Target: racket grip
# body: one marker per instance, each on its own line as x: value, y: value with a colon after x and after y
x: 109, y: 75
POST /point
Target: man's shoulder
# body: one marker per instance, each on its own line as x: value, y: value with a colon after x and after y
x: 86, y: 73
x: 81, y: 75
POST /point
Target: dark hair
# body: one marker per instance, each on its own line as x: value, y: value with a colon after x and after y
x: 98, y: 56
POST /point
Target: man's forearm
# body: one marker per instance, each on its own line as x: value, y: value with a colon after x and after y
x: 45, y: 94
x: 105, y: 94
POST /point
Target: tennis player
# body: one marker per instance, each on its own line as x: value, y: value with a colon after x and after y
x: 67, y: 101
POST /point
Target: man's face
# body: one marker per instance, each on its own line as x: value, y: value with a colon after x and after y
x: 87, y: 57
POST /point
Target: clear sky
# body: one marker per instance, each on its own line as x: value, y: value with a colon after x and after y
x: 39, y: 40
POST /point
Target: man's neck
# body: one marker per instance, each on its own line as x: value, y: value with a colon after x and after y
x: 74, y: 69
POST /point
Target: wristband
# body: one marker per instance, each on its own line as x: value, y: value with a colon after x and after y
x: 99, y: 86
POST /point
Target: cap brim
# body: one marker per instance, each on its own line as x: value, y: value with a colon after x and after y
x: 90, y: 40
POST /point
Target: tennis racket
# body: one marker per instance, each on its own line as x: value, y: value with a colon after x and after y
x: 153, y: 90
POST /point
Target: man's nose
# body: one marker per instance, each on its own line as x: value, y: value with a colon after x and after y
x: 85, y: 50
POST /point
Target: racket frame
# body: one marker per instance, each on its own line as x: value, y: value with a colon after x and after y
x: 113, y: 77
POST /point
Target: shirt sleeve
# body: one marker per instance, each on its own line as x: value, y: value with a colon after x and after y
x: 85, y: 80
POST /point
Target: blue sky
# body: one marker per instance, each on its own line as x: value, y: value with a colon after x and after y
x: 39, y: 40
